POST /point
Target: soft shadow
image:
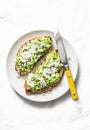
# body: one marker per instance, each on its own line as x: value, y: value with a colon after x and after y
x: 78, y: 76
x: 78, y: 103
x: 48, y: 104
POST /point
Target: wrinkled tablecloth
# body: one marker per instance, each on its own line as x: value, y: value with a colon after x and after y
x: 18, y: 17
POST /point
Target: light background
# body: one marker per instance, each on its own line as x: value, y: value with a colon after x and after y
x: 73, y: 19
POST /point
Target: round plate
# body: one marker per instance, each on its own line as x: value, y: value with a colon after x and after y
x: 18, y: 84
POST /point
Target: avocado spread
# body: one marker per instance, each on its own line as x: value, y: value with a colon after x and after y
x: 47, y: 74
x: 29, y: 54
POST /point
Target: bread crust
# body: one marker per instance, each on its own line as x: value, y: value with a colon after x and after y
x: 25, y: 44
x: 28, y: 92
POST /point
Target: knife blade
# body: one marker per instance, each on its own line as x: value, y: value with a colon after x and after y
x: 59, y: 45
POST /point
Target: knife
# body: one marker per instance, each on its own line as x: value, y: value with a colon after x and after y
x: 59, y: 46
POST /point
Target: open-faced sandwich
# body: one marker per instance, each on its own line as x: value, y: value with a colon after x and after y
x: 46, y: 76
x: 30, y: 52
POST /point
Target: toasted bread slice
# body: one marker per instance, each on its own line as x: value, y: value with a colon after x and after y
x: 59, y: 71
x: 30, y: 52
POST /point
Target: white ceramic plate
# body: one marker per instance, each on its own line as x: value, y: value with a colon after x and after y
x: 17, y: 84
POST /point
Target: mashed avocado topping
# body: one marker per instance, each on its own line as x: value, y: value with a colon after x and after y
x: 46, y: 74
x: 29, y: 54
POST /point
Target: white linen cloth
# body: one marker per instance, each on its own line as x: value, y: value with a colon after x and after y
x: 18, y: 17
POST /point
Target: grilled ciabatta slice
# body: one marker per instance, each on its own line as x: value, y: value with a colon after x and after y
x: 46, y: 76
x: 30, y: 52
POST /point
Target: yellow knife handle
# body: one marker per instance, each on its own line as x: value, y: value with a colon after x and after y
x: 71, y: 85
